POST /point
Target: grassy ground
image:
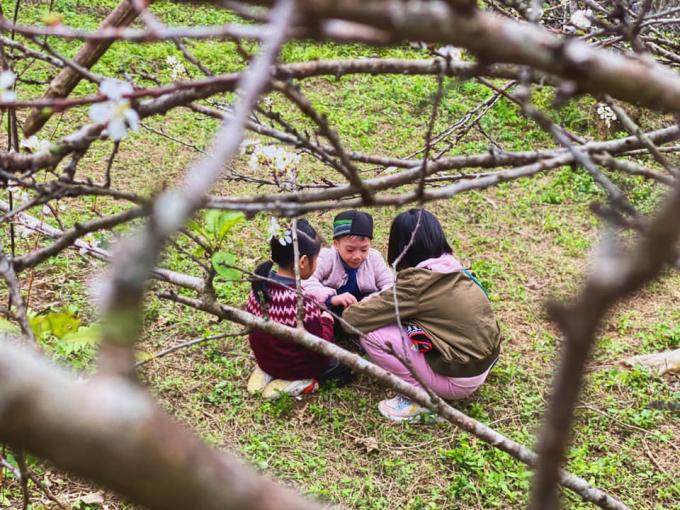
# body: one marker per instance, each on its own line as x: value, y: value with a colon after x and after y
x: 527, y: 240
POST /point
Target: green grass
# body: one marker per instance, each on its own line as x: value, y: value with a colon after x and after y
x: 526, y: 240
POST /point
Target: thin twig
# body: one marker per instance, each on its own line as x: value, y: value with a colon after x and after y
x: 183, y: 345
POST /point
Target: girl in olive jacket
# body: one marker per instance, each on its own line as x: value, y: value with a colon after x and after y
x: 450, y: 335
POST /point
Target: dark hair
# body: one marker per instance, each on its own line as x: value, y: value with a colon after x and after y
x: 422, y: 230
x: 309, y: 243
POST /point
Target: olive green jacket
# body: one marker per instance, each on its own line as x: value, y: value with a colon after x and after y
x: 450, y: 307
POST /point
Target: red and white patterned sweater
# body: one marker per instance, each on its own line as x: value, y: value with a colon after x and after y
x: 282, y: 358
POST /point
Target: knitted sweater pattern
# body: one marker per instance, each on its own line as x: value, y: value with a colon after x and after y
x: 279, y: 357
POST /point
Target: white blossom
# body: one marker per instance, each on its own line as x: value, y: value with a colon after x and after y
x: 115, y: 89
x: 275, y: 156
x: 606, y: 114
x: 35, y: 144
x: 450, y: 53
x: 46, y: 210
x: 282, y: 234
x: 115, y: 113
x: 274, y: 227
x: 7, y: 79
x: 582, y: 19
x: 176, y: 67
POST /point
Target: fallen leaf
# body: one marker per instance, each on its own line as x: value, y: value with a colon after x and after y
x: 370, y: 444
x: 661, y: 362
x: 94, y: 498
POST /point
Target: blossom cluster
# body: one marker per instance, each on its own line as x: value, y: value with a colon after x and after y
x: 7, y: 79
x: 274, y: 156
x: 34, y: 144
x: 176, y: 67
x: 282, y: 233
x: 116, y: 113
x: 606, y: 114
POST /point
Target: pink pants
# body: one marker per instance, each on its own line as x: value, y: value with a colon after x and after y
x: 450, y: 388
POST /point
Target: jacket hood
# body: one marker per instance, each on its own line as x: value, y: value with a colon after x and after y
x: 445, y: 263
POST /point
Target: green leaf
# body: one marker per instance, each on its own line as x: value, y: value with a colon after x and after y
x: 212, y: 221
x: 80, y: 340
x: 58, y: 324
x: 222, y: 259
x: 53, y: 323
x: 229, y: 220
x: 195, y: 226
x: 63, y: 324
x: 219, y: 223
x: 40, y: 325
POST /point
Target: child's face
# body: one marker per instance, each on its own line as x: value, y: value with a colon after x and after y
x: 353, y: 250
x: 307, y: 267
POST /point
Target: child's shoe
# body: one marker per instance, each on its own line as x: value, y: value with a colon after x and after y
x: 258, y: 380
x: 293, y: 388
x: 401, y: 409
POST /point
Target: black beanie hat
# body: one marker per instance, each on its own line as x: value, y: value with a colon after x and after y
x: 353, y: 223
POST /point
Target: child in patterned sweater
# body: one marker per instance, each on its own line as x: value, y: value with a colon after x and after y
x: 283, y: 366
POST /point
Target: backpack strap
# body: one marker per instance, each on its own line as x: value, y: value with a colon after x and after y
x: 472, y: 277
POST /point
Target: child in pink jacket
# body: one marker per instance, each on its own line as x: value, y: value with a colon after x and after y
x: 351, y: 269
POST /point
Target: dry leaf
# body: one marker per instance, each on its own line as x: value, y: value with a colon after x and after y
x: 370, y: 444
x: 94, y: 498
x: 660, y: 362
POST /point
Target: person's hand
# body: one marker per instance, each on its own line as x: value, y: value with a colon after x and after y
x: 344, y: 299
x: 327, y: 315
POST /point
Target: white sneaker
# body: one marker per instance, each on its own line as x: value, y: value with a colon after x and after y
x: 294, y: 388
x: 401, y: 409
x: 258, y: 380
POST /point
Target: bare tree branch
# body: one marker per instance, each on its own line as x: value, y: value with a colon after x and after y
x: 7, y: 273
x: 357, y: 363
x: 132, y: 268
x: 150, y: 459
x: 615, y: 274
x: 89, y: 54
x: 494, y: 39
x: 612, y: 57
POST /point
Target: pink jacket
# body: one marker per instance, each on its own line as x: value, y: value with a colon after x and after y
x: 372, y: 276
